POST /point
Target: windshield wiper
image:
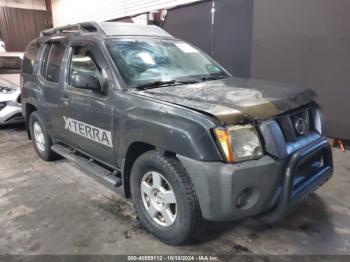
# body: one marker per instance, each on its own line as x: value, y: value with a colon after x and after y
x: 156, y: 84
x: 206, y: 78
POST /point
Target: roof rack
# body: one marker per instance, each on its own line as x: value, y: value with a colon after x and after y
x: 86, y: 27
x: 107, y: 28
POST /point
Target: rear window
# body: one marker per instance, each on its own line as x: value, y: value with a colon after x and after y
x: 30, y: 58
x: 50, y: 68
x: 10, y: 65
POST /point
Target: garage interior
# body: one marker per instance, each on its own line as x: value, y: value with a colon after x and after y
x: 55, y: 208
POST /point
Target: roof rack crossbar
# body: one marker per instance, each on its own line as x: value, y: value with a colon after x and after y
x: 86, y: 27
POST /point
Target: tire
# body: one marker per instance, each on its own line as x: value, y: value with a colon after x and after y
x: 42, y: 144
x: 186, y: 217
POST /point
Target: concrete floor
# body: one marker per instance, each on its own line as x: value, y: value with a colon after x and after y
x: 54, y: 208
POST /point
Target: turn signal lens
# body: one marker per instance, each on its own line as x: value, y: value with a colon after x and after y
x: 223, y: 137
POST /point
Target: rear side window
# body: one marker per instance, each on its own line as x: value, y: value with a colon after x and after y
x: 52, y: 59
x: 30, y: 58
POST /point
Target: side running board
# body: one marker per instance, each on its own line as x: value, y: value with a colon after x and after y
x: 109, y: 176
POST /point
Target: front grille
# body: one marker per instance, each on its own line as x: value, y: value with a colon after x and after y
x: 298, y: 123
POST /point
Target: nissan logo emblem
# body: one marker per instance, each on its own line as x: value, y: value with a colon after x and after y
x: 300, y: 126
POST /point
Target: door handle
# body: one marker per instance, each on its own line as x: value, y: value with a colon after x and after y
x: 66, y: 99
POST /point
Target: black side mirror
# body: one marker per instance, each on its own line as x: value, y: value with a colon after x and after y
x: 85, y: 81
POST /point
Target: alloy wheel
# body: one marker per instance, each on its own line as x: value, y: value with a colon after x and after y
x: 39, y: 136
x: 158, y: 198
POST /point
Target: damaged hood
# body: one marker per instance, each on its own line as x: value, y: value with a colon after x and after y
x: 235, y: 100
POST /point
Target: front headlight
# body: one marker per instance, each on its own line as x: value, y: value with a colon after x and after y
x: 319, y: 123
x: 239, y: 143
x: 7, y: 90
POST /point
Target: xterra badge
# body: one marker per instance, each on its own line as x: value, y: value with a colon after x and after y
x: 91, y: 132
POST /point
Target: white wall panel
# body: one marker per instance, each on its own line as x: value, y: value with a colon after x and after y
x: 24, y: 4
x: 68, y: 11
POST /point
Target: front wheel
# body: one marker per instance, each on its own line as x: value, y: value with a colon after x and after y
x: 164, y: 199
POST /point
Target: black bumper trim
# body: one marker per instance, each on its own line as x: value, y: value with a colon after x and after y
x: 289, y: 195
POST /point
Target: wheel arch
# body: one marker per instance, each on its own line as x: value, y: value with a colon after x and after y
x: 135, y: 150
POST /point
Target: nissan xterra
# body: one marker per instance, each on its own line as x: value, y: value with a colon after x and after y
x: 160, y: 119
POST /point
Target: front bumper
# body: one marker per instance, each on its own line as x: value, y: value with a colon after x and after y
x: 229, y: 192
x: 12, y: 111
x: 11, y: 114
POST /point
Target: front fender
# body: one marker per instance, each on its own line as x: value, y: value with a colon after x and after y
x: 170, y: 129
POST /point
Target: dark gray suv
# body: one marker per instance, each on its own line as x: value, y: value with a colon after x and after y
x: 160, y: 119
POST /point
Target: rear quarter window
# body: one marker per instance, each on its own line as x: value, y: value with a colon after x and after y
x: 52, y: 59
x: 29, y: 58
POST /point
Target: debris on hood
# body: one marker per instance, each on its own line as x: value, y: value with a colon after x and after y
x: 235, y: 100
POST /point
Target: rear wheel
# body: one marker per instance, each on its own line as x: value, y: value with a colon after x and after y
x: 164, y: 199
x: 41, y: 140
